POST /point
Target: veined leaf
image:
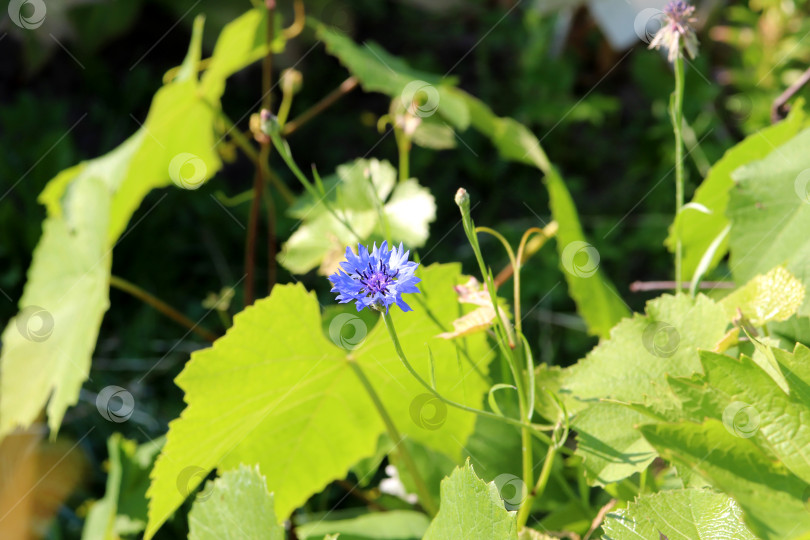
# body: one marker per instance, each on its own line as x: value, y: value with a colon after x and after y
x: 47, y: 346
x: 633, y: 364
x: 696, y: 514
x: 773, y: 499
x: 89, y: 206
x: 699, y: 229
x: 236, y: 506
x: 359, y: 194
x: 769, y: 211
x: 276, y: 392
x: 774, y: 296
x: 471, y: 510
x: 393, y: 525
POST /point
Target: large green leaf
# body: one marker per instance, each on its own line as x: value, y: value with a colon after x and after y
x: 47, y: 346
x: 393, y: 525
x: 276, y: 392
x: 89, y: 206
x: 360, y: 193
x: 241, y: 42
x: 752, y: 405
x: 696, y: 514
x: 769, y: 210
x: 632, y: 367
x: 471, y: 510
x: 697, y: 228
x: 773, y: 499
x: 611, y: 447
x: 378, y: 71
x: 235, y: 506
x: 633, y: 364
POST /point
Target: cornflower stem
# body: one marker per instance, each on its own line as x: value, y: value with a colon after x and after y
x: 533, y: 429
x: 161, y: 306
x: 539, y: 488
x: 421, y: 487
x: 504, y: 337
x: 676, y: 112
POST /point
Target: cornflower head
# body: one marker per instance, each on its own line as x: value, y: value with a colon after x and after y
x: 375, y: 280
x: 676, y: 29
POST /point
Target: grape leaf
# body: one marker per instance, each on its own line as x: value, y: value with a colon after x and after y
x: 236, y: 506
x: 379, y: 71
x: 47, y: 346
x: 70, y: 270
x: 769, y: 209
x: 752, y: 405
x: 699, y: 229
x: 276, y: 392
x: 240, y: 43
x: 772, y: 498
x: 696, y: 514
x: 611, y: 448
x: 471, y: 510
x: 392, y: 525
x: 633, y: 364
x: 774, y: 296
x: 359, y: 194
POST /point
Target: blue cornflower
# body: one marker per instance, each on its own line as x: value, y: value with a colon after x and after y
x: 377, y: 279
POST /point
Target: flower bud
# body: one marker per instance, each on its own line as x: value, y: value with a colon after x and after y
x: 463, y: 199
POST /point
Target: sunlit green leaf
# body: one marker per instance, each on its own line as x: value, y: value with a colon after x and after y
x: 276, y: 392
x: 696, y: 514
x: 471, y: 510
x: 235, y: 506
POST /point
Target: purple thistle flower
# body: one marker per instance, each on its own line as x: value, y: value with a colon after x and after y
x: 676, y: 30
x: 375, y: 280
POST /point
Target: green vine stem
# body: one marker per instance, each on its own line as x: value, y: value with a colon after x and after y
x: 676, y: 112
x: 161, y: 306
x: 421, y: 487
x: 533, y: 428
x: 539, y: 488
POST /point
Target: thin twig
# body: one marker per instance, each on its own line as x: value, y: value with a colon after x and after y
x: 779, y: 109
x: 345, y: 87
x: 161, y: 306
x: 600, y: 517
x: 638, y: 286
